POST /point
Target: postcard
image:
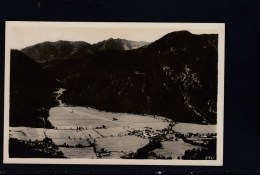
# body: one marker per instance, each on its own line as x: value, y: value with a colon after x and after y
x: 114, y: 93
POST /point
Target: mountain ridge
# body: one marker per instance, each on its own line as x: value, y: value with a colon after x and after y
x: 31, y: 92
x: 61, y: 50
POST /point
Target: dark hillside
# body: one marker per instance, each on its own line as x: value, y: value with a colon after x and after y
x: 31, y: 92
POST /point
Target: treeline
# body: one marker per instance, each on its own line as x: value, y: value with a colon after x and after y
x: 208, y: 153
x: 31, y: 92
x: 34, y: 149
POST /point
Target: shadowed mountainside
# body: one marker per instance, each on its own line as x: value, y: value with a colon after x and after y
x: 31, y: 92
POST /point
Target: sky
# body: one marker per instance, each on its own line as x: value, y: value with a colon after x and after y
x: 23, y: 34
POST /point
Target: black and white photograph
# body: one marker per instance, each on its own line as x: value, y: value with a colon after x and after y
x: 114, y: 93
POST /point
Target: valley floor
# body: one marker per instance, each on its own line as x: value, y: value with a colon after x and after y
x: 81, y: 132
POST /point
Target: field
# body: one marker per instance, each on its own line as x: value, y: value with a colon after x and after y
x: 186, y: 128
x: 115, y: 155
x: 125, y: 144
x: 115, y: 131
x: 60, y: 142
x: 73, y: 117
x: 71, y: 137
x: 161, y: 153
x: 26, y: 133
x: 176, y: 148
x: 87, y: 152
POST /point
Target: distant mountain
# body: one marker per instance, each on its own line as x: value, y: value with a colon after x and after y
x: 31, y: 92
x: 62, y: 50
x: 118, y: 44
x: 59, y: 50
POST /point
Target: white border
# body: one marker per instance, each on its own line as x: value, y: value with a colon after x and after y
x: 218, y: 28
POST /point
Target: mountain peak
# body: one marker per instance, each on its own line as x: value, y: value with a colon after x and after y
x: 180, y: 40
x: 181, y: 32
x: 118, y: 44
x: 58, y: 50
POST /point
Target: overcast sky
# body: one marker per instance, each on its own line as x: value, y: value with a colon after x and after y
x: 23, y: 34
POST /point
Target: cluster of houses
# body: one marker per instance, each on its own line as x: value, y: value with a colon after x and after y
x: 199, y: 139
x: 165, y: 134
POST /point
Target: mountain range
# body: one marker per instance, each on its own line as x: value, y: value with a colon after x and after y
x: 174, y: 76
x: 61, y: 50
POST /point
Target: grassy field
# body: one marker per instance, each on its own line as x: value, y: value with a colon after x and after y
x: 27, y: 133
x: 60, y: 142
x: 176, y: 148
x: 87, y: 152
x: 126, y: 143
x: 115, y: 155
x: 115, y: 131
x: 90, y: 134
x: 162, y: 153
x: 64, y: 134
x: 186, y: 128
x: 72, y: 137
x: 73, y: 117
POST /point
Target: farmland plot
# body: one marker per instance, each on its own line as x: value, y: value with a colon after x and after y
x: 69, y: 142
x: 73, y: 117
x: 177, y: 148
x: 126, y: 143
x: 97, y: 113
x: 115, y: 131
x: 154, y: 125
x: 27, y: 133
x: 90, y: 134
x: 87, y: 152
x: 64, y: 134
x: 70, y: 137
x: 161, y: 153
x: 73, y: 124
x: 115, y: 155
x: 186, y: 128
x: 88, y: 118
